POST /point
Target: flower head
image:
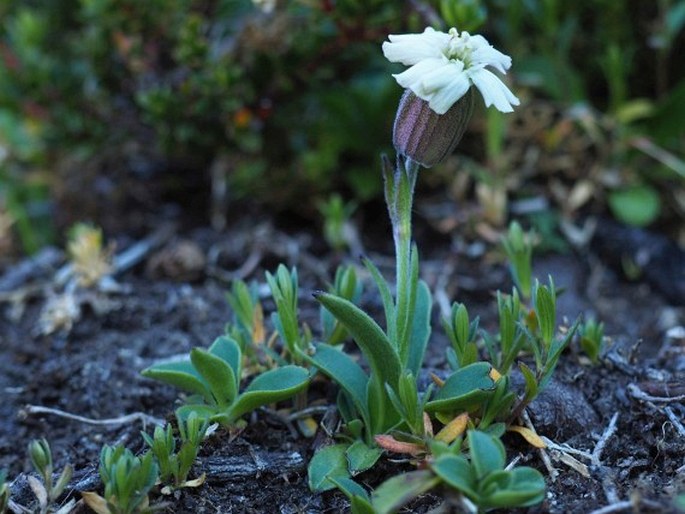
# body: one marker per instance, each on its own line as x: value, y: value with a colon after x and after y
x: 444, y: 66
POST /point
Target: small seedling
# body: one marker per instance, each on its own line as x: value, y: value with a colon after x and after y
x: 127, y: 479
x: 336, y: 221
x: 284, y: 290
x: 346, y: 285
x: 518, y: 245
x: 213, y: 378
x: 462, y: 334
x: 174, y: 467
x: 247, y: 327
x: 45, y: 490
x: 481, y: 478
x: 592, y: 339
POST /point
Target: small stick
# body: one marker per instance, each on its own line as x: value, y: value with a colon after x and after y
x: 145, y: 418
x: 614, y: 507
x: 674, y: 419
x: 599, y: 447
x: 639, y: 394
x: 553, y: 473
x: 607, y: 484
x: 565, y: 448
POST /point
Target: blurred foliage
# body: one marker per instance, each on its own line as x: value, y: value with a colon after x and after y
x: 298, y: 96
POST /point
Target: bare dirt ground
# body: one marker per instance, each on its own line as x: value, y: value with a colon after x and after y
x: 92, y: 370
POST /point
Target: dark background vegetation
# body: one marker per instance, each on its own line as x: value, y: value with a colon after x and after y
x: 119, y: 111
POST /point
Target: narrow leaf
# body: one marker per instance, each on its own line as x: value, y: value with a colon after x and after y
x: 270, y: 387
x: 375, y: 345
x: 529, y: 435
x: 466, y: 389
x: 531, y: 383
x: 421, y: 328
x: 386, y: 297
x: 400, y: 489
x: 340, y: 367
x: 179, y: 374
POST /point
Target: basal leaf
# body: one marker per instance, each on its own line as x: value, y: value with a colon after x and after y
x: 327, y: 462
x: 217, y: 373
x: 346, y: 372
x: 456, y: 471
x: 487, y: 453
x: 464, y: 390
x: 370, y: 338
x: 228, y: 349
x: 203, y: 411
x: 350, y: 488
x: 400, y: 489
x: 270, y: 387
x: 361, y: 457
x: 525, y: 486
x: 179, y: 374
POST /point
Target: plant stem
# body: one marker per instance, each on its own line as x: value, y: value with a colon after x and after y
x: 400, y: 209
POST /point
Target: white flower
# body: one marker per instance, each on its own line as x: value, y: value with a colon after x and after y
x: 444, y: 66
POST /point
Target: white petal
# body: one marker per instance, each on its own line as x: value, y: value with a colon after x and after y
x: 412, y: 77
x: 494, y: 91
x: 409, y: 49
x: 446, y: 96
x: 485, y: 54
x: 440, y: 77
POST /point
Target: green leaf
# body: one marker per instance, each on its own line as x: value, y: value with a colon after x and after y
x: 461, y: 324
x: 218, y: 374
x: 637, y: 205
x: 359, y: 505
x: 386, y: 297
x: 269, y: 387
x: 487, y: 453
x: 421, y: 328
x: 524, y: 487
x: 400, y: 489
x: 228, y: 350
x: 545, y: 309
x: 179, y: 374
x: 555, y: 352
x: 406, y: 310
x: 456, y: 471
x: 340, y: 367
x: 203, y: 411
x: 531, y: 382
x: 370, y: 338
x: 350, y: 488
x: 465, y: 389
x: 361, y: 457
x: 328, y: 462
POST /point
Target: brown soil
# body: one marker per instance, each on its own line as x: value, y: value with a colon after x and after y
x: 93, y: 370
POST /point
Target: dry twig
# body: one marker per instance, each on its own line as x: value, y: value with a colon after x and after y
x: 136, y: 416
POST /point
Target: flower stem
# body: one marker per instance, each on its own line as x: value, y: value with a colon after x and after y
x: 399, y: 198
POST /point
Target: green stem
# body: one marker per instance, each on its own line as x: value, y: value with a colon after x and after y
x: 400, y: 215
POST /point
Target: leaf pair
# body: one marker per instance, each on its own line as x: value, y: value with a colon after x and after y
x: 483, y: 479
x: 213, y: 377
